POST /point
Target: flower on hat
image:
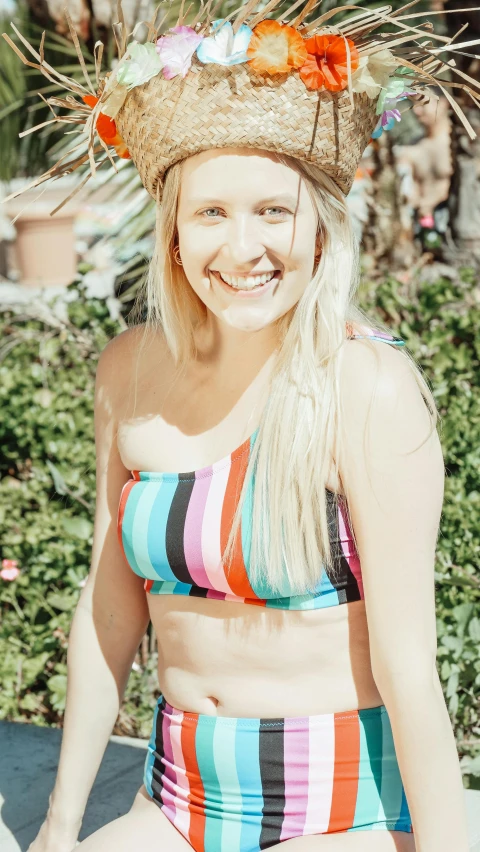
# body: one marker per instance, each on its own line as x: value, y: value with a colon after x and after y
x: 9, y: 570
x: 276, y: 48
x: 176, y: 50
x: 326, y: 65
x: 224, y: 47
x: 386, y: 122
x: 373, y: 72
x: 395, y: 90
x: 138, y: 65
x: 387, y: 104
x: 107, y: 129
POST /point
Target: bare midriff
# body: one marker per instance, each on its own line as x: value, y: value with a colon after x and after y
x: 221, y: 657
x: 229, y: 659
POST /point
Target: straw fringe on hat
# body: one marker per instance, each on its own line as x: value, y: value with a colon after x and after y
x: 322, y: 110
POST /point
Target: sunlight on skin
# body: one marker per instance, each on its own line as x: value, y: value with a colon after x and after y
x: 230, y: 221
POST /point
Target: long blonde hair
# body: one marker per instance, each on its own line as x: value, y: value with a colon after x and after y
x: 288, y: 463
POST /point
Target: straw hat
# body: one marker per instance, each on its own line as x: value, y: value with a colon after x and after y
x: 243, y: 110
x: 313, y: 89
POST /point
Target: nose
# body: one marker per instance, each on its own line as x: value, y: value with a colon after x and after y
x: 244, y: 244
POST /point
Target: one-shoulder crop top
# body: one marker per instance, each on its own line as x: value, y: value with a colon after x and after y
x: 173, y: 528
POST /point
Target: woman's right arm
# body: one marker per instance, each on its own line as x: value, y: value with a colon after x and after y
x: 109, y: 621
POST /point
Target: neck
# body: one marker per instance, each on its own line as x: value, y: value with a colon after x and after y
x: 225, y: 350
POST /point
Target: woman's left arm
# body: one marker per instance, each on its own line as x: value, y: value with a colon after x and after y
x: 394, y: 489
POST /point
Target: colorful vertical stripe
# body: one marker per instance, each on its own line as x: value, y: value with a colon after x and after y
x: 173, y: 529
x: 246, y: 784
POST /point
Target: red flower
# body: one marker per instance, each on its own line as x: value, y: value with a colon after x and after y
x: 326, y: 64
x: 107, y: 129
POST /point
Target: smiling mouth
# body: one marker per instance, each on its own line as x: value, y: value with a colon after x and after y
x: 247, y: 282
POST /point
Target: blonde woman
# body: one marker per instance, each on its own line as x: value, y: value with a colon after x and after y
x: 269, y: 472
x: 287, y: 717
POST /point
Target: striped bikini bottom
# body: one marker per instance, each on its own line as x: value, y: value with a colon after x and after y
x: 246, y: 784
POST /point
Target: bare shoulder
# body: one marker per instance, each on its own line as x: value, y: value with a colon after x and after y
x: 122, y: 349
x: 126, y: 355
x: 379, y: 387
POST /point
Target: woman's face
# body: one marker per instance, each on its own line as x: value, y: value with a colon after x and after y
x: 247, y: 235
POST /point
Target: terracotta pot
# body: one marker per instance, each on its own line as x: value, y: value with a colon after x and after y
x: 44, y: 248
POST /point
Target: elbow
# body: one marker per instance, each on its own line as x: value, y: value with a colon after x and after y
x: 407, y: 677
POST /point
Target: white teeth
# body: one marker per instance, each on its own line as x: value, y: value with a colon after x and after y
x: 247, y: 283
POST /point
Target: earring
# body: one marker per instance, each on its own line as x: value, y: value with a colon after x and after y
x: 176, y: 255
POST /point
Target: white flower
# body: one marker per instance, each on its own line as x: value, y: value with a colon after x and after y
x: 223, y: 47
x: 142, y: 62
x: 373, y: 72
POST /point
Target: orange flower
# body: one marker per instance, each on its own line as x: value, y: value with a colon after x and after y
x: 107, y: 129
x: 276, y: 48
x: 326, y: 63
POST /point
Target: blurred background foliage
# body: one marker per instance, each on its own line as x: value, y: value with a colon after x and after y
x: 47, y: 483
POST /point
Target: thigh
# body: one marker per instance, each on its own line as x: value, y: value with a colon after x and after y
x: 354, y: 841
x: 144, y: 827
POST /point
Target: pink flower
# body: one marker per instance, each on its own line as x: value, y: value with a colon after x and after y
x: 176, y: 50
x: 9, y: 569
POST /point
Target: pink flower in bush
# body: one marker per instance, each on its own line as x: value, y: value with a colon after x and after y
x: 9, y: 570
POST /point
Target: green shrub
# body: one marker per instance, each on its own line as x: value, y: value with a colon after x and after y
x: 47, y: 492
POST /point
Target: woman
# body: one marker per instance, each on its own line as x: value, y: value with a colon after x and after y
x: 269, y: 490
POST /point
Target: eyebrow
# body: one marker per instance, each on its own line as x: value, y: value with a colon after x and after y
x: 285, y: 198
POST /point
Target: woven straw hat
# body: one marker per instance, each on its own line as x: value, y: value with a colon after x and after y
x: 319, y: 103
x: 165, y: 121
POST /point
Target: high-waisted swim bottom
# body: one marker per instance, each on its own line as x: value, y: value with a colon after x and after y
x: 246, y: 784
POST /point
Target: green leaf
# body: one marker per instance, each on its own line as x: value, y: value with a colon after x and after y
x: 78, y: 527
x: 453, y: 643
x: 57, y: 686
x: 452, y: 684
x: 445, y: 670
x: 471, y: 764
x: 58, y: 480
x: 474, y: 629
x: 32, y: 667
x: 453, y: 704
x: 64, y: 602
x: 462, y: 613
x: 31, y: 702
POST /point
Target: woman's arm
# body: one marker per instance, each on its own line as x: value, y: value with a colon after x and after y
x: 395, y: 498
x: 111, y: 616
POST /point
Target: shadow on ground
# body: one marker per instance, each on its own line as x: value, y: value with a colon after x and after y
x: 28, y: 765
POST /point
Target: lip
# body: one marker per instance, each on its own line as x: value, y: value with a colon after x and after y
x: 246, y: 294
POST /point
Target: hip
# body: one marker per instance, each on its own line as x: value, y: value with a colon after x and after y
x: 248, y: 783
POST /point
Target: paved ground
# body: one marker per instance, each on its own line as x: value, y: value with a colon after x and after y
x: 28, y: 761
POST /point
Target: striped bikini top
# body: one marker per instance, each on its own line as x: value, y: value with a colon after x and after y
x: 173, y: 529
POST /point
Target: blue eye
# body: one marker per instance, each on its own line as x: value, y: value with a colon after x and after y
x: 276, y: 211
x: 215, y: 210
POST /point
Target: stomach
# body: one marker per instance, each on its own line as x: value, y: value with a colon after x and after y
x: 229, y: 659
